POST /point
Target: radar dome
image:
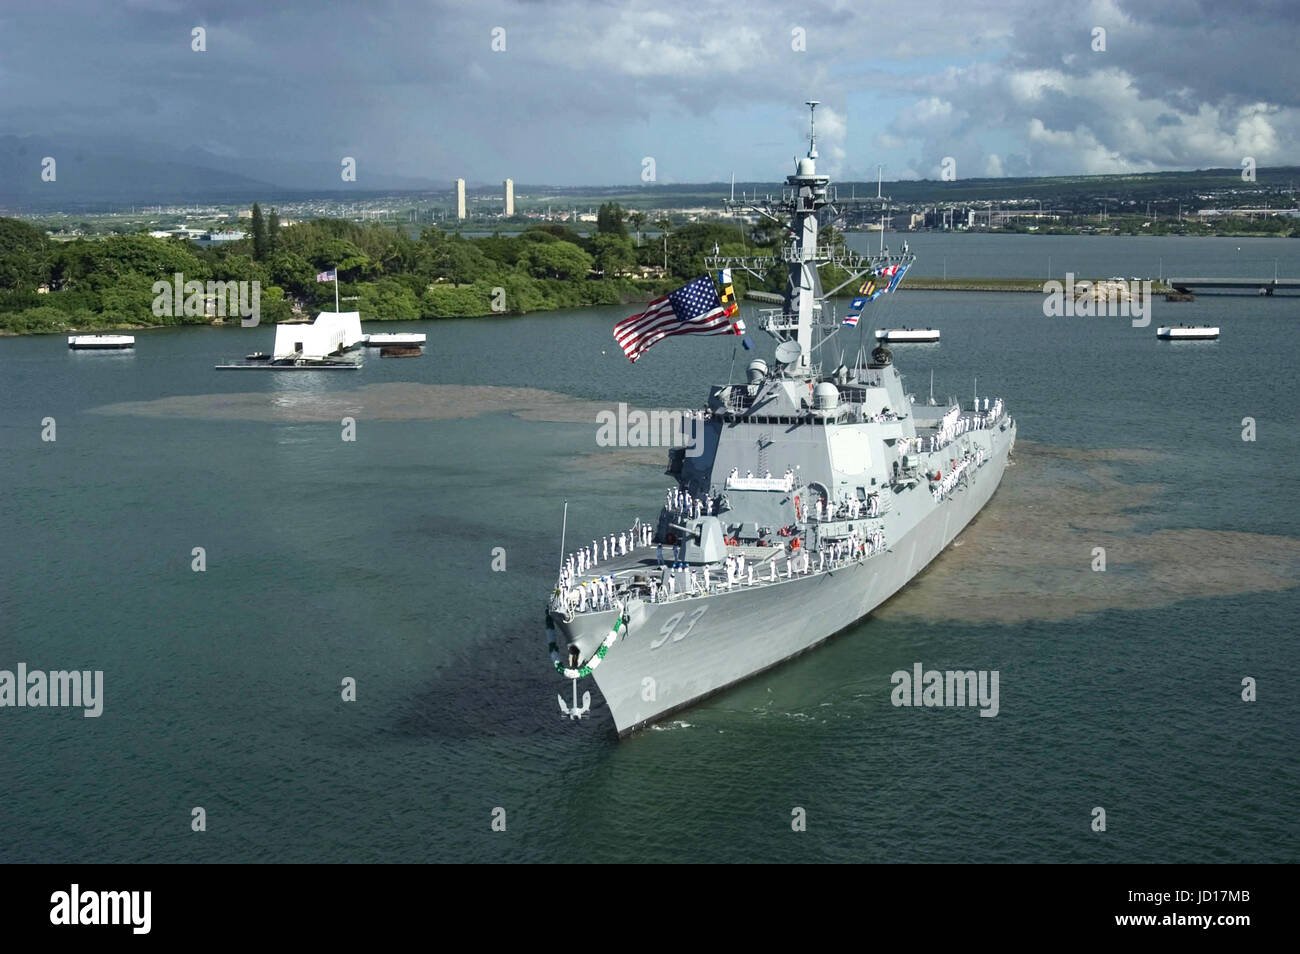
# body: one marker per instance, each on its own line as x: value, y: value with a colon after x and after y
x: 826, y: 396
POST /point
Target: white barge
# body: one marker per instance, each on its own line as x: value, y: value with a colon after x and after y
x: 1187, y: 333
x: 907, y: 334
x: 100, y: 342
x: 384, y: 340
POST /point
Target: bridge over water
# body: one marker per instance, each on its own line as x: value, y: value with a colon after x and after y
x: 1265, y: 286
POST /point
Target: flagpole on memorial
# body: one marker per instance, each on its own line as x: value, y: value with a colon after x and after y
x: 336, y: 289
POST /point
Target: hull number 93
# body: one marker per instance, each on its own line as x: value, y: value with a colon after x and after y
x: 675, y: 629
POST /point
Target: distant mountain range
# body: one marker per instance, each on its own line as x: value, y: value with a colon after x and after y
x: 91, y: 176
x: 114, y: 173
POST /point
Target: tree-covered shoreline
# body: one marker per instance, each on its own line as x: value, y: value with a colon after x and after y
x: 386, y: 274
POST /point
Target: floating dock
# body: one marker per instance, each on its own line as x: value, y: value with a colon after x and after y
x: 299, y: 366
x: 1187, y: 333
x: 100, y: 342
x: 385, y: 340
x: 907, y: 334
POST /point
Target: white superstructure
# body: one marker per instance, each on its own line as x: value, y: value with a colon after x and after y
x: 331, y: 333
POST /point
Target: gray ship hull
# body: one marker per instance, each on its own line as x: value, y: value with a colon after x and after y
x: 674, y: 654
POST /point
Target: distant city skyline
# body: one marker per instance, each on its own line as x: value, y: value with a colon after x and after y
x: 571, y: 94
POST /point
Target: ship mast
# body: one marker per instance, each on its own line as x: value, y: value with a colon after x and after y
x: 808, y: 195
x: 804, y: 195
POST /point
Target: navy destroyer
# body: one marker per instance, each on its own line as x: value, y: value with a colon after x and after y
x: 740, y: 569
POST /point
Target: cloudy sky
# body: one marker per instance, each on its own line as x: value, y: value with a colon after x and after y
x: 585, y: 89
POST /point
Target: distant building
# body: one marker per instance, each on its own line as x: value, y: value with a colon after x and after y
x: 460, y: 198
x: 510, y: 197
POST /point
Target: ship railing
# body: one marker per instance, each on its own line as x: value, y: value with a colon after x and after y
x: 777, y: 320
x: 953, y: 479
x: 738, y: 399
x: 877, y: 504
x: 836, y: 254
x: 819, y: 562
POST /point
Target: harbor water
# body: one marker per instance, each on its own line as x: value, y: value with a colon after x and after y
x: 415, y: 559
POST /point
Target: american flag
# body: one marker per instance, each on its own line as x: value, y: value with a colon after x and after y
x: 330, y: 276
x: 693, y: 309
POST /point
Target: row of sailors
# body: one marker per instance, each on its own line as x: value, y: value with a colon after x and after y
x: 682, y: 503
x: 990, y: 416
x: 740, y: 572
x: 964, y: 424
x: 596, y: 595
x: 849, y: 507
x: 577, y: 564
x: 995, y: 413
x: 949, y: 480
x: 604, y: 593
x: 958, y: 428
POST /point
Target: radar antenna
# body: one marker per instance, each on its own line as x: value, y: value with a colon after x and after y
x: 806, y: 317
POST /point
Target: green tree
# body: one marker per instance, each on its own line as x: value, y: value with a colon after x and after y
x: 24, y: 260
x: 259, y: 234
x: 129, y: 301
x: 637, y: 220
x: 388, y: 300
x: 613, y: 254
x: 609, y: 220
x: 101, y: 263
x: 293, y: 273
x: 272, y: 233
x: 460, y: 262
x: 550, y: 232
x: 664, y: 225
x: 447, y: 301
x: 40, y: 320
x: 691, y: 243
x: 341, y: 254
x: 562, y: 260
x: 767, y: 233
